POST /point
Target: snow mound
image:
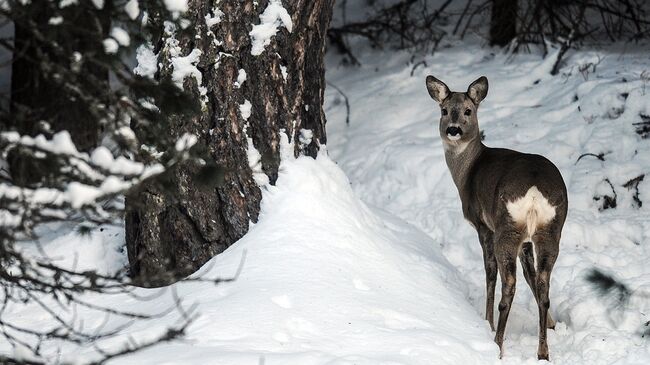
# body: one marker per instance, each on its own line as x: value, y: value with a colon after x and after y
x: 328, y: 280
x: 325, y: 280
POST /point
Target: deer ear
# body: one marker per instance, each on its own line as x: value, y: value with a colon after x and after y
x: 437, y: 89
x: 477, y: 90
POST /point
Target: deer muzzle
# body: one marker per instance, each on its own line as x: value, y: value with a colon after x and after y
x: 454, y: 133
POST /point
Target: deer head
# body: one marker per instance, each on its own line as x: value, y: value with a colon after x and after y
x: 458, y: 120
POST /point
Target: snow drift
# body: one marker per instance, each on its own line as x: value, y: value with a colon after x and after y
x: 325, y: 279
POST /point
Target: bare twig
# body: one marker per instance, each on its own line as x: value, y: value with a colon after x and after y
x: 347, y: 102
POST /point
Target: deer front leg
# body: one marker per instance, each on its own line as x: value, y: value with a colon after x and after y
x: 486, y: 237
x: 505, y: 249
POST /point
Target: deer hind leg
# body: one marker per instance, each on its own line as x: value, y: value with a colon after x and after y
x: 527, y: 258
x: 506, y: 245
x: 546, y: 247
x: 486, y: 237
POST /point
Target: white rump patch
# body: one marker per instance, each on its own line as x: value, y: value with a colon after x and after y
x: 533, y: 210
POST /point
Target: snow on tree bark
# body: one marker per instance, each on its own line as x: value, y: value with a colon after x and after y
x: 249, y: 95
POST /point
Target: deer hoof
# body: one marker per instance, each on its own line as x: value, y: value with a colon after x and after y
x: 500, y: 344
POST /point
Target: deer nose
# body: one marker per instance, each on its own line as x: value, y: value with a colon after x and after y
x: 454, y: 132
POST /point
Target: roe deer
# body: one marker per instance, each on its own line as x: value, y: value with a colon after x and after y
x: 517, y: 203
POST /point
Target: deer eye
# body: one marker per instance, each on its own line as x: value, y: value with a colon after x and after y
x: 468, y: 112
x: 444, y: 111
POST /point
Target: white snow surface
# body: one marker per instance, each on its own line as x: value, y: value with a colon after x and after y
x: 368, y: 260
x: 185, y: 142
x: 245, y: 109
x: 393, y: 155
x: 147, y: 61
x: 75, y: 193
x: 185, y: 66
x: 241, y: 78
x: 353, y: 285
x: 274, y: 16
x: 65, y: 3
x: 132, y: 9
x: 121, y: 36
x: 255, y: 162
x: 213, y: 19
x: 55, y: 20
x: 176, y: 5
x: 110, y: 45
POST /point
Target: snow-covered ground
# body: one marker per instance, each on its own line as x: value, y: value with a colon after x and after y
x: 394, y: 159
x: 367, y: 260
x: 325, y: 280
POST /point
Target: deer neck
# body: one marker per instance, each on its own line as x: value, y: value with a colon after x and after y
x: 460, y: 158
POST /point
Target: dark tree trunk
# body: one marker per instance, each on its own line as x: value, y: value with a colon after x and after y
x: 171, y: 232
x: 503, y: 23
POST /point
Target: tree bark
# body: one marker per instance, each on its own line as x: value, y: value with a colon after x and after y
x: 503, y: 23
x: 171, y: 232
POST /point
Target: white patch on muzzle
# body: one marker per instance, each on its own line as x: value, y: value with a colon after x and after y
x: 453, y: 138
